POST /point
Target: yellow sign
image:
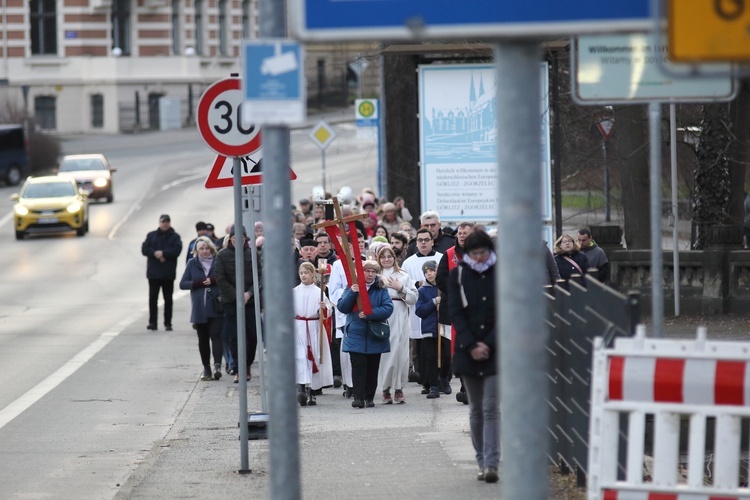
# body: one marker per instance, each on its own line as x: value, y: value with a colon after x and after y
x: 709, y: 30
x: 322, y: 134
x: 366, y: 109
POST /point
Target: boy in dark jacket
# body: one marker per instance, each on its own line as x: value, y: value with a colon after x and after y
x: 427, y: 309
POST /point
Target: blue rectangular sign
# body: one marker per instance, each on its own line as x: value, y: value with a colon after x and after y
x: 272, y: 70
x: 430, y: 19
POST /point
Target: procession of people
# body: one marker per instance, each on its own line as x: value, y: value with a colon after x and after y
x: 377, y: 304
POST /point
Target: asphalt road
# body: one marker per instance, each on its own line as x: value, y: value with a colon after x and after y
x: 85, y: 390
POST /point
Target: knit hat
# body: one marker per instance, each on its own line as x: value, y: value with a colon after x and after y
x: 200, y: 226
x: 371, y: 264
x: 231, y: 231
x: 380, y: 239
x: 430, y: 264
x: 164, y: 217
x: 389, y: 206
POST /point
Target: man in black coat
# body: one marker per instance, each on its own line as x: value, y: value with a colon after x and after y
x: 161, y: 249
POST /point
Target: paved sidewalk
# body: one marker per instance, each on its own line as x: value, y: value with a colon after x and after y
x: 418, y: 450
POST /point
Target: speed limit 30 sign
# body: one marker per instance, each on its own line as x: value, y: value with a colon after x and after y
x: 220, y: 120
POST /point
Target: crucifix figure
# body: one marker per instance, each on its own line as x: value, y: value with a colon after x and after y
x: 352, y: 263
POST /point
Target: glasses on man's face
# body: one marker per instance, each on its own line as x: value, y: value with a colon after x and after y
x: 423, y: 240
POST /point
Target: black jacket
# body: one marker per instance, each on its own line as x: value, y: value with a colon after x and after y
x: 226, y: 275
x: 441, y: 244
x: 567, y: 269
x: 474, y: 322
x: 168, y: 242
x: 443, y: 273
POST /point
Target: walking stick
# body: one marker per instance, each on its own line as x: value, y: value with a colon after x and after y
x: 440, y: 358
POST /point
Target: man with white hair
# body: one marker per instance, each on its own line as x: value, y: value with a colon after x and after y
x: 430, y: 220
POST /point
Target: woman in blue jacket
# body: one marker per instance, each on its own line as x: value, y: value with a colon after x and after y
x: 199, y: 279
x: 365, y: 350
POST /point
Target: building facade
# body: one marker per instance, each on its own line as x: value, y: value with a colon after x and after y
x: 83, y: 66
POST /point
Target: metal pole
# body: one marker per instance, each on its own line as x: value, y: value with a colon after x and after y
x: 522, y: 330
x: 675, y: 207
x: 239, y: 262
x: 606, y: 182
x: 256, y: 293
x: 657, y: 252
x: 556, y: 162
x: 323, y: 159
x: 283, y: 427
x: 382, y: 156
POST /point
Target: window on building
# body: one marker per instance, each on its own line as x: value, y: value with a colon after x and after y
x: 121, y: 26
x: 43, y: 16
x: 246, y: 19
x: 176, y: 27
x: 97, y: 111
x: 223, y: 28
x: 199, y: 45
x: 45, y: 112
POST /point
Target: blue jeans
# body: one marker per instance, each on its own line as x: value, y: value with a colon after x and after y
x: 484, y: 418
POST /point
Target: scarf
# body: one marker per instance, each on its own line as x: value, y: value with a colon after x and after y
x: 480, y: 267
x: 206, y: 263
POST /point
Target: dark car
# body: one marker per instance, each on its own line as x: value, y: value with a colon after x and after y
x: 14, y: 158
x: 92, y: 172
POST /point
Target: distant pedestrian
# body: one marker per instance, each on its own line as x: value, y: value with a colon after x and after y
x: 200, y: 278
x: 571, y: 262
x: 201, y: 228
x: 598, y: 261
x: 161, y: 248
x: 471, y: 300
x: 226, y: 273
x: 364, y: 349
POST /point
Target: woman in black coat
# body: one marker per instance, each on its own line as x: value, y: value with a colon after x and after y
x: 471, y: 299
x: 571, y: 262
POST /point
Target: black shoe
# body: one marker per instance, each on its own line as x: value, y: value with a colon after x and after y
x: 167, y: 328
x: 434, y: 393
x: 232, y: 371
x: 311, y: 397
x: 370, y: 403
x: 336, y: 382
x: 302, y: 398
x: 413, y: 376
x: 445, y: 386
x: 151, y: 326
x: 461, y: 397
x: 217, y: 371
x: 490, y: 475
x: 348, y: 392
x: 358, y: 403
x: 206, y: 374
x: 425, y: 390
x: 317, y: 392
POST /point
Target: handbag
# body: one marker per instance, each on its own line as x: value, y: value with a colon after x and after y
x: 216, y: 299
x: 379, y: 329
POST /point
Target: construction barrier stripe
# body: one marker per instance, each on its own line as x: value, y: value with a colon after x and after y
x: 677, y: 380
x: 608, y: 494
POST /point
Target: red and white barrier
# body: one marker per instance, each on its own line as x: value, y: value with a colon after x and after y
x: 668, y: 378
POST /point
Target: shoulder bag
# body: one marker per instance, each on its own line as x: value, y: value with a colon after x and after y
x: 379, y: 330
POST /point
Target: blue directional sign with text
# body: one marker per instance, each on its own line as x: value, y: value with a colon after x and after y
x: 426, y: 19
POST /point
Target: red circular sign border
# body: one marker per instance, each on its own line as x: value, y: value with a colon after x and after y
x: 205, y: 129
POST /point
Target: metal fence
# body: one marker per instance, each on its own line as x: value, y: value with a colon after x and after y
x: 575, y: 317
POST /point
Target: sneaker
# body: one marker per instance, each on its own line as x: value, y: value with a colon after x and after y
x: 387, y: 399
x: 413, y: 376
x: 434, y: 393
x: 370, y: 403
x: 217, y: 372
x: 445, y: 386
x: 461, y: 397
x: 358, y: 403
x: 399, y: 397
x: 206, y: 375
x: 480, y: 475
x: 232, y: 371
x: 490, y: 475
x: 336, y: 382
x: 151, y: 326
x: 167, y: 328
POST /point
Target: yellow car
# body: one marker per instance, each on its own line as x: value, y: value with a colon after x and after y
x: 50, y: 204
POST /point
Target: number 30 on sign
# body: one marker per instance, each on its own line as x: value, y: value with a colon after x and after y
x: 220, y: 120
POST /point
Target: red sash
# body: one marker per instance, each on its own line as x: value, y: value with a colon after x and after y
x: 309, y: 347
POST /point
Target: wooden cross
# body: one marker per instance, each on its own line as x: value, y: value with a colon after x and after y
x: 340, y: 221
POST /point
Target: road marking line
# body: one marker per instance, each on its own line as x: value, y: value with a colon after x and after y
x: 137, y: 204
x: 44, y: 387
x: 5, y: 219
